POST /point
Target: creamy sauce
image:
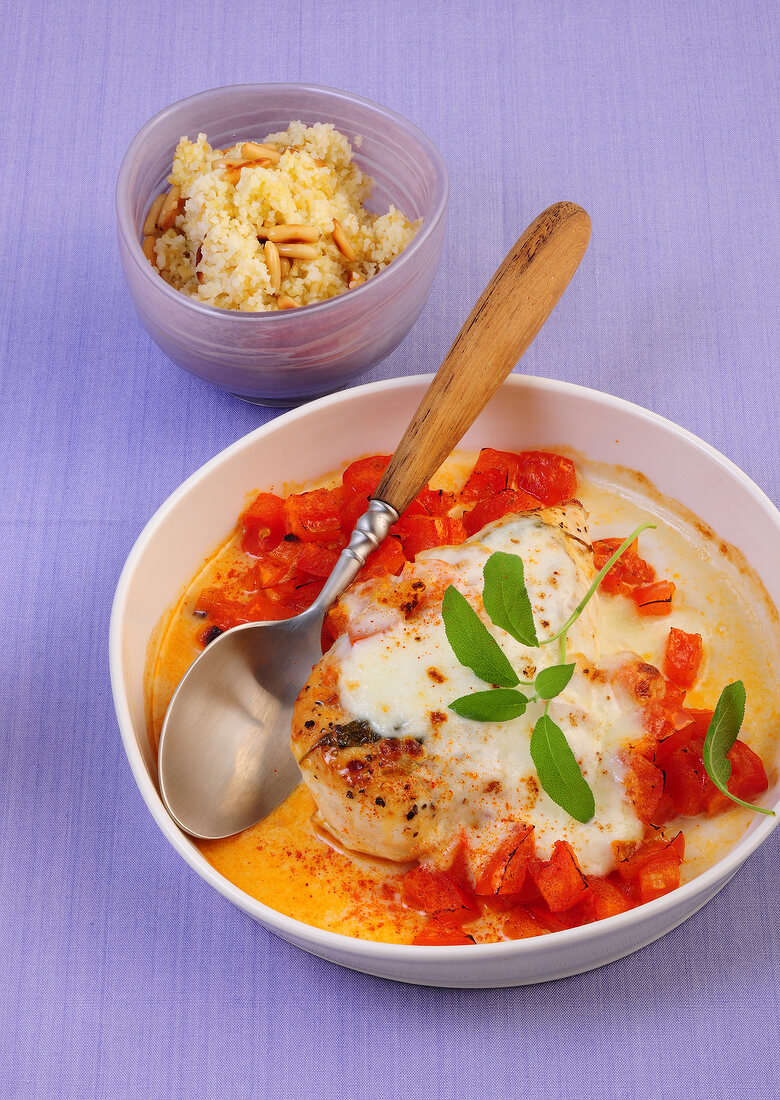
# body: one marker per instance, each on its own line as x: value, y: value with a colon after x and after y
x: 288, y: 864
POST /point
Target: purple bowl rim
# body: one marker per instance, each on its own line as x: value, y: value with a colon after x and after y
x: 129, y: 235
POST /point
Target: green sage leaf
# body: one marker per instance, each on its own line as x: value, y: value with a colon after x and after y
x: 506, y: 597
x: 558, y: 770
x: 472, y: 643
x: 551, y: 681
x: 722, y: 732
x: 498, y: 705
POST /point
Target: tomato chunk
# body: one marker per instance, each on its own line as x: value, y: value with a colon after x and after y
x: 658, y: 877
x: 629, y: 570
x: 686, y: 779
x: 645, y: 785
x: 502, y: 504
x: 290, y: 558
x: 654, y: 599
x: 435, y: 893
x: 504, y: 873
x: 263, y: 523
x: 418, y: 532
x: 605, y: 898
x: 682, y: 657
x: 560, y: 879
x: 748, y: 778
x: 548, y: 477
x: 659, y: 848
x: 520, y: 924
x: 435, y: 502
x: 435, y: 933
x: 315, y: 516
x: 387, y: 558
x: 364, y: 475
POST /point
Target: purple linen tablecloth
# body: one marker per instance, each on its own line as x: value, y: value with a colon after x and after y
x: 123, y: 975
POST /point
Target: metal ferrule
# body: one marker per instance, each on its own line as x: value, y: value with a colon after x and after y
x: 370, y: 530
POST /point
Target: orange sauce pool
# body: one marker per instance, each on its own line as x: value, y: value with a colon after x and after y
x: 290, y: 864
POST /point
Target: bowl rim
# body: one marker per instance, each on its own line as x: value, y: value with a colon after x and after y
x: 322, y: 941
x: 129, y: 234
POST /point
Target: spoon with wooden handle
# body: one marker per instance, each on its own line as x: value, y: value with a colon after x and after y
x: 225, y: 759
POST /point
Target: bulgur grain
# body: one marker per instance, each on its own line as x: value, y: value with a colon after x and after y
x: 304, y: 179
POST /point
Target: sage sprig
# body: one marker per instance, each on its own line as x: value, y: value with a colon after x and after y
x: 722, y: 732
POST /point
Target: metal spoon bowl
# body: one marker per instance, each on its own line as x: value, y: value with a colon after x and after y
x: 224, y: 758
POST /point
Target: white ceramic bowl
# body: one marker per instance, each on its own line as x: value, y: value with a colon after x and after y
x: 307, y: 442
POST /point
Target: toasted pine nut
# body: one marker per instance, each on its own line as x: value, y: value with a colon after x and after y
x: 355, y: 279
x: 233, y: 175
x: 285, y: 302
x: 321, y: 163
x: 154, y: 212
x: 273, y: 261
x: 280, y: 234
x: 298, y: 251
x: 285, y: 265
x: 341, y: 242
x: 149, y: 252
x: 253, y: 150
x: 170, y: 209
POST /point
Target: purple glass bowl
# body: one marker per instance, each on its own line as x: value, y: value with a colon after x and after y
x: 283, y: 358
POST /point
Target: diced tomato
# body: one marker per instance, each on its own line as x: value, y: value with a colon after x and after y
x: 502, y: 504
x: 290, y: 558
x: 504, y: 873
x: 670, y: 741
x: 645, y: 784
x: 387, y: 558
x: 351, y: 509
x: 425, y: 532
x: 315, y: 516
x: 560, y: 879
x: 658, y: 877
x: 263, y: 523
x: 700, y: 720
x: 659, y: 848
x: 435, y: 933
x: 628, y: 571
x: 435, y: 502
x: 295, y: 595
x: 682, y: 657
x: 605, y: 898
x: 364, y: 475
x: 550, y: 478
x: 654, y: 599
x: 520, y: 924
x: 686, y: 779
x: 552, y: 922
x: 748, y: 778
x: 222, y: 611
x: 459, y: 869
x: 435, y: 893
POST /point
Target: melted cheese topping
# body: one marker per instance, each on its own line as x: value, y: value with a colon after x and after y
x: 402, y: 680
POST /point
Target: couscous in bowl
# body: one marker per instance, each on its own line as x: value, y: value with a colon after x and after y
x: 284, y: 356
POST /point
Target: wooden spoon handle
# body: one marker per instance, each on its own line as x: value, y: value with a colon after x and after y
x: 513, y: 307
